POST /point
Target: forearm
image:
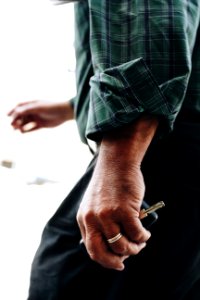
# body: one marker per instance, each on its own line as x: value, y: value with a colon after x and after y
x: 127, y: 146
x: 68, y: 107
x: 113, y: 199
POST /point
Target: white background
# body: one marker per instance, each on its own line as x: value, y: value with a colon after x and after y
x: 36, y: 62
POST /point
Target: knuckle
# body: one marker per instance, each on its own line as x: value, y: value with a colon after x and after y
x: 139, y: 236
x: 108, y: 212
x: 121, y: 249
x: 135, y: 250
x: 98, y: 258
x: 78, y: 217
x: 103, y: 214
x: 93, y: 251
x: 93, y: 255
x: 88, y: 217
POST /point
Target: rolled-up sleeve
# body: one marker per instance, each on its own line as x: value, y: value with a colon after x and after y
x: 142, y: 53
x: 69, y: 1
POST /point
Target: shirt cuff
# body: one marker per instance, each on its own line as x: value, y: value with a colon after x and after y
x: 119, y: 95
x: 72, y: 102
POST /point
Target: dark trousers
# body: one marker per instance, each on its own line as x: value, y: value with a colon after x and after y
x: 167, y: 269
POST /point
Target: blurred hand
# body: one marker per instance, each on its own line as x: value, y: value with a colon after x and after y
x: 33, y: 115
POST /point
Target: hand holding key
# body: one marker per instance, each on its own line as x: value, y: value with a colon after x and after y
x: 145, y: 212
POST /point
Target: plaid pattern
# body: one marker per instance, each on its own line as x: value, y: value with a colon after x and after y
x: 146, y: 58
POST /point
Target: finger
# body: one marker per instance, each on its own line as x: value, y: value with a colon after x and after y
x: 19, y: 105
x: 31, y: 126
x: 99, y: 251
x: 27, y: 102
x: 122, y: 245
x: 126, y: 247
x: 81, y: 227
x: 20, y: 121
x: 17, y: 123
x: 25, y: 110
x: 20, y: 114
x: 111, y: 230
x: 10, y: 112
x: 134, y: 230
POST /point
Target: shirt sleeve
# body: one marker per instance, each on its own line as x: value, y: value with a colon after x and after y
x: 142, y: 53
x: 68, y: 1
x: 72, y: 101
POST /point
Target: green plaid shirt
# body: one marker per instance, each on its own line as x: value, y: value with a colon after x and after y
x: 135, y: 57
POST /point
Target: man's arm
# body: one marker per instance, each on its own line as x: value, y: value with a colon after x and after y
x: 141, y: 51
x: 67, y: 1
x: 142, y: 57
x: 130, y: 142
x: 114, y: 196
x: 37, y: 114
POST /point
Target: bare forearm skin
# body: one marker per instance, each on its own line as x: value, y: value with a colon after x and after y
x: 113, y: 198
x: 129, y: 143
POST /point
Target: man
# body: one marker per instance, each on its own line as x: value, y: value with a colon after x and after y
x: 138, y: 98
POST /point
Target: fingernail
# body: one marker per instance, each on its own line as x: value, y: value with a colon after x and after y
x: 120, y: 268
x: 143, y: 245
